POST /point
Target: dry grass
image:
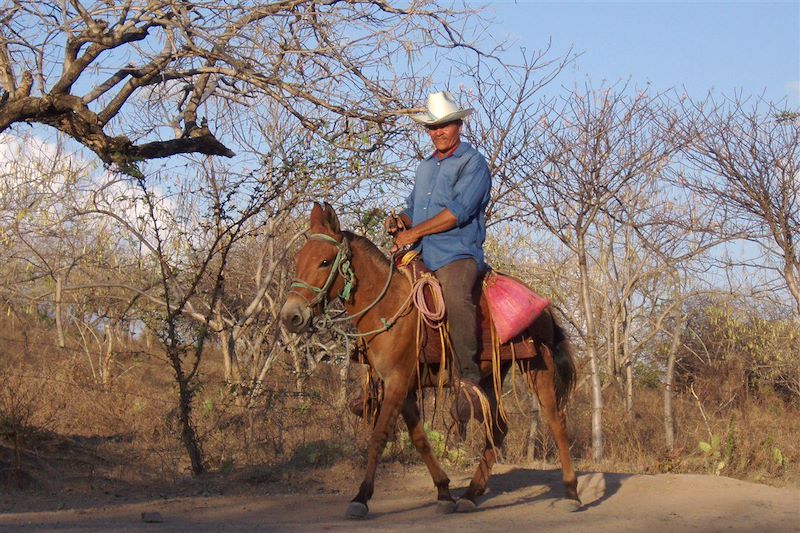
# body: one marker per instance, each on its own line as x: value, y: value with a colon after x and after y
x: 58, y: 427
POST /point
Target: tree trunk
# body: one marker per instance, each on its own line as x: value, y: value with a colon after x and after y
x: 107, y: 357
x: 669, y: 419
x: 258, y: 384
x: 591, y: 351
x: 613, y: 345
x: 793, y: 281
x: 299, y: 370
x: 229, y: 361
x: 343, y: 375
x: 185, y: 396
x: 629, y: 388
x: 533, y: 430
x: 189, y: 438
x: 59, y: 326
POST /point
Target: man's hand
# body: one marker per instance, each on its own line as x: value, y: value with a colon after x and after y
x: 405, y: 238
x: 443, y: 221
x: 396, y: 223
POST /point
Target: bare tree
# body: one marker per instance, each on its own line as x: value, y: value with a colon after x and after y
x: 593, y: 147
x: 133, y: 81
x: 44, y: 251
x: 160, y: 252
x: 746, y: 157
x: 188, y: 259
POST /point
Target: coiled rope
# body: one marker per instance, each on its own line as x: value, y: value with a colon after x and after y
x: 433, y: 312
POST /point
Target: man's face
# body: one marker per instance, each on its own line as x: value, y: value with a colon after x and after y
x: 445, y: 136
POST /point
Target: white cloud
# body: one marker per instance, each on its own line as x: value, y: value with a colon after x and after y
x: 29, y: 157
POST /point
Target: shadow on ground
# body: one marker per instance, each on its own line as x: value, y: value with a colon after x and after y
x: 593, y: 487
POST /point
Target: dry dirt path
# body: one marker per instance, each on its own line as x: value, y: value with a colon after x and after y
x: 520, y: 500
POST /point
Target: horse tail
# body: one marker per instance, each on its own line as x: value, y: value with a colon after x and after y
x: 565, y: 375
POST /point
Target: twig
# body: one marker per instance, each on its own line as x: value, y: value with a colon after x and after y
x: 702, y: 411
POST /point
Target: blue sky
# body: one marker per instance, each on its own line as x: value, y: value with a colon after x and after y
x: 724, y: 46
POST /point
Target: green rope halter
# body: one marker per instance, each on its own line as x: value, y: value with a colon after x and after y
x: 341, y: 266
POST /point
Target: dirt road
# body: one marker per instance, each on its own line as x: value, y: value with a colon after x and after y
x: 520, y: 499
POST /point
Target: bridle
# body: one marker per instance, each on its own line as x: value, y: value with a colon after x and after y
x: 340, y: 267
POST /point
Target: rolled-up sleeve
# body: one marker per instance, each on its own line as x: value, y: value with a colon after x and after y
x: 470, y: 190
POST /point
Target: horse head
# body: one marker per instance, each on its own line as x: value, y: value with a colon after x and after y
x: 322, y: 270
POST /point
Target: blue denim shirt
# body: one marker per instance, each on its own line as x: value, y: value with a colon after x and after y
x: 460, y: 183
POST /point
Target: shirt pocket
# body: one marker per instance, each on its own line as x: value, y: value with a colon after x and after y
x: 444, y: 189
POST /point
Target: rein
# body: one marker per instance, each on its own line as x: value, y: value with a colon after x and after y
x: 342, y: 266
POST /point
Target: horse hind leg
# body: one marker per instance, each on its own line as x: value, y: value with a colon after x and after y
x: 499, y: 428
x: 445, y: 501
x: 542, y: 381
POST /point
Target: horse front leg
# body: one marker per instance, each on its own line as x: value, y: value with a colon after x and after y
x: 394, y: 395
x: 445, y: 501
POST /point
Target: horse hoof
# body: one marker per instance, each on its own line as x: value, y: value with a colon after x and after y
x: 567, y: 505
x: 464, y: 505
x: 356, y: 511
x: 445, y: 506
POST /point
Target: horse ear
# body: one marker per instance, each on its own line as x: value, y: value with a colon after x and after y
x: 332, y: 219
x: 317, y: 215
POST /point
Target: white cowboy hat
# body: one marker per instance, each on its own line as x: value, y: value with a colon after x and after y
x: 442, y: 108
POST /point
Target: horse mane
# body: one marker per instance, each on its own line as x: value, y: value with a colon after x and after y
x: 367, y: 246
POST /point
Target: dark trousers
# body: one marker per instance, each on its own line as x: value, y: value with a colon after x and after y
x: 457, y: 280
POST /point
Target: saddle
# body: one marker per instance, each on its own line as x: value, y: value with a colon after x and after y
x: 523, y: 346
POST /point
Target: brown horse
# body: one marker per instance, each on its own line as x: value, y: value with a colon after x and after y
x: 334, y: 264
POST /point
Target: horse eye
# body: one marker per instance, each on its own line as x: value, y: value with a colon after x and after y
x: 325, y: 263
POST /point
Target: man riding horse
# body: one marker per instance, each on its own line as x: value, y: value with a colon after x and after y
x: 445, y: 220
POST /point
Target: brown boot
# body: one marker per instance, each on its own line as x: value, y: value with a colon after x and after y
x: 470, y: 401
